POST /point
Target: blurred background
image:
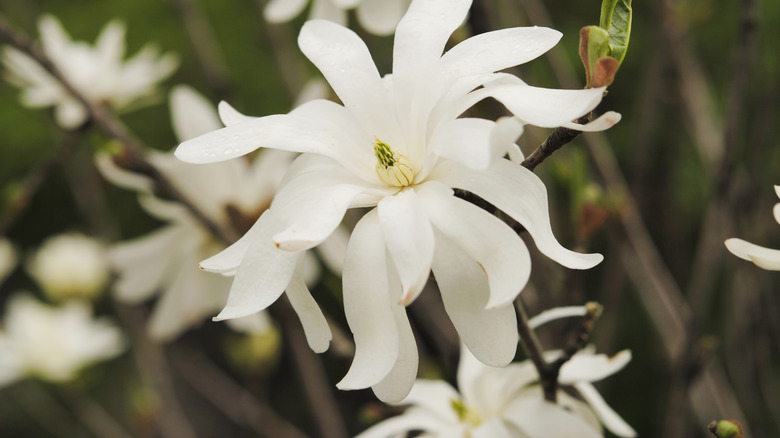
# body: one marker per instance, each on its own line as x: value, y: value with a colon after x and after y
x: 692, y: 163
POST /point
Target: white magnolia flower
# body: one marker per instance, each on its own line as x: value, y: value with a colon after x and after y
x: 8, y: 259
x: 53, y: 343
x: 70, y: 265
x: 508, y: 402
x: 98, y: 72
x: 166, y: 261
x: 379, y: 17
x: 396, y: 144
x: 762, y: 257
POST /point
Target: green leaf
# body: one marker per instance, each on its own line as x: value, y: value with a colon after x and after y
x: 598, y: 45
x: 616, y: 19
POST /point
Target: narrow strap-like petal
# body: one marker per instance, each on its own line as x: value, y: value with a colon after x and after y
x: 592, y: 367
x: 315, y: 326
x: 608, y: 417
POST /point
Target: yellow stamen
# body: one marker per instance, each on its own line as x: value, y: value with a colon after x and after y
x: 393, y: 167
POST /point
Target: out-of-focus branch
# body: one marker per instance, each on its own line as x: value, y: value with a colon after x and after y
x: 132, y: 155
x: 94, y: 416
x: 312, y: 376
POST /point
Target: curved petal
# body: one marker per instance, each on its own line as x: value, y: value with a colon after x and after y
x: 423, y: 32
x: 344, y: 60
x: 399, y: 381
x: 540, y: 419
x: 120, y: 177
x: 367, y: 306
x: 608, y: 417
x: 493, y: 51
x: 435, y: 396
x: 466, y: 140
x: 543, y: 107
x: 519, y: 193
x: 604, y: 122
x: 279, y: 11
x: 264, y: 273
x: 498, y: 250
x: 231, y: 116
x: 504, y: 136
x: 380, y: 17
x: 492, y: 428
x: 315, y: 327
x: 556, y: 313
x: 763, y: 257
x: 592, y: 367
x: 229, y: 259
x: 409, y: 236
x: 411, y: 420
x: 490, y: 334
x: 191, y: 113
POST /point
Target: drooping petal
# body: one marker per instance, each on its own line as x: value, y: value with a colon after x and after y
x: 763, y: 257
x: 592, y: 367
x: 608, y: 417
x: 519, y: 193
x: 604, y: 122
x: 399, y: 381
x: 230, y: 258
x: 380, y: 17
x: 498, y: 250
x: 191, y: 113
x: 367, y: 306
x: 230, y: 116
x: 409, y: 236
x: 466, y: 140
x: 497, y: 50
x: 423, y: 32
x: 121, y: 177
x: 279, y: 11
x: 264, y: 273
x: 315, y: 327
x: 344, y: 60
x: 556, y: 313
x: 504, y: 136
x: 490, y: 334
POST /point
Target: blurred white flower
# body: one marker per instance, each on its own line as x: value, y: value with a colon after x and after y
x: 166, y: 261
x: 380, y: 17
x: 508, y: 402
x: 762, y: 257
x: 53, y: 343
x: 8, y: 259
x: 98, y: 72
x: 396, y: 144
x: 70, y: 265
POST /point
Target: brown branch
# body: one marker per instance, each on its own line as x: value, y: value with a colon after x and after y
x: 132, y: 155
x: 312, y: 376
x: 557, y: 139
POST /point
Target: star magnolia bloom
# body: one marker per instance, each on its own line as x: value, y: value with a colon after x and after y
x: 98, y: 72
x: 379, y: 17
x: 53, y: 343
x: 166, y: 260
x: 70, y: 266
x: 763, y: 257
x: 396, y: 144
x: 508, y: 402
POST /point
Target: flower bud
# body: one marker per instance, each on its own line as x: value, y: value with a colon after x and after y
x: 70, y: 266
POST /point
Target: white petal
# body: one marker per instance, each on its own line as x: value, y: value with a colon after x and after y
x: 70, y: 114
x: 776, y: 211
x: 498, y: 250
x: 490, y: 334
x: 110, y: 44
x: 592, y: 367
x: 191, y: 113
x: 230, y: 258
x: 411, y: 420
x: 367, y: 306
x: 492, y: 428
x: 435, y: 396
x: 763, y: 257
x: 399, y: 381
x: 493, y: 51
x: 264, y: 273
x: 11, y: 366
x: 423, y: 32
x: 120, y: 177
x: 556, y: 313
x: 313, y: 89
x: 344, y: 60
x: 333, y: 249
x: 54, y: 40
x: 544, y: 107
x: 230, y: 116
x: 604, y: 122
x: 541, y: 419
x: 314, y: 324
x: 504, y: 136
x: 279, y: 11
x: 380, y: 17
x: 466, y: 140
x: 409, y: 236
x: 521, y: 194
x: 604, y: 412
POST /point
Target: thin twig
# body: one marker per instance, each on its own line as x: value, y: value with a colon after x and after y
x: 312, y: 376
x: 132, y: 156
x: 556, y: 140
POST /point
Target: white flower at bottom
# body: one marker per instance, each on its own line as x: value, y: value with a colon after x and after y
x: 376, y: 16
x: 762, y: 257
x: 53, y: 343
x: 70, y: 266
x: 397, y: 145
x: 97, y: 72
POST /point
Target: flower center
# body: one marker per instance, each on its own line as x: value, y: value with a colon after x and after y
x: 392, y: 167
x: 465, y: 415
